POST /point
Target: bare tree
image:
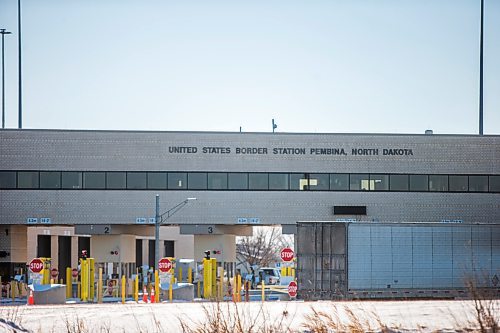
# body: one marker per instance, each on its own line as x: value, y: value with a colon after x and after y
x: 263, y: 248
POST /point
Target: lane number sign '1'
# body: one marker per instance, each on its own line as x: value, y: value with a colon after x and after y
x: 36, y: 265
x: 286, y: 254
x: 164, y: 265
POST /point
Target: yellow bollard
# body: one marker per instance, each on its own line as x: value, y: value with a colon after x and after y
x: 91, y: 280
x: 214, y: 277
x: 283, y: 271
x: 207, y: 278
x: 84, y: 280
x: 136, y: 288
x: 190, y: 275
x: 13, y: 290
x: 238, y: 285
x: 79, y: 290
x: 263, y: 291
x: 170, y: 288
x: 123, y: 289
x: 69, y: 284
x: 157, y: 287
x: 180, y: 274
x: 99, y: 286
x: 221, y: 282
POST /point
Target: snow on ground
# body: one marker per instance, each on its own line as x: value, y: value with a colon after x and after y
x: 421, y: 316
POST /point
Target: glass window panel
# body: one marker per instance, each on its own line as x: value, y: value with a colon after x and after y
x: 136, y: 180
x: 319, y: 182
x: 94, y: 180
x: 298, y: 181
x: 157, y: 180
x: 339, y: 182
x: 116, y: 180
x: 237, y: 181
x: 359, y: 182
x: 438, y: 183
x: 494, y: 183
x: 478, y: 183
x: 197, y: 180
x: 419, y: 183
x: 27, y: 179
x: 278, y: 181
x: 258, y: 181
x: 217, y: 181
x: 71, y: 180
x: 177, y: 180
x: 7, y: 179
x: 459, y: 183
x: 379, y: 182
x: 399, y: 182
x: 50, y: 179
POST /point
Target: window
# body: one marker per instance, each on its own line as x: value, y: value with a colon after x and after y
x: 71, y: 180
x: 478, y: 183
x: 258, y: 181
x: 359, y: 182
x: 177, y: 180
x: 7, y: 179
x: 459, y: 184
x: 94, y: 180
x: 136, y: 180
x: 399, y: 182
x: 319, y: 182
x: 419, y: 183
x: 28, y: 179
x: 197, y: 181
x: 438, y: 183
x: 237, y: 181
x: 278, y: 181
x: 339, y: 182
x: 217, y: 181
x: 379, y: 182
x: 349, y: 210
x: 494, y: 183
x: 157, y: 180
x: 298, y: 181
x: 50, y: 179
x: 116, y: 180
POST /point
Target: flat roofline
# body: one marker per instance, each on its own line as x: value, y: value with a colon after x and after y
x: 242, y: 133
x: 402, y: 223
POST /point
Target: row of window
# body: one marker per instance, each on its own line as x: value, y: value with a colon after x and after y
x: 100, y: 180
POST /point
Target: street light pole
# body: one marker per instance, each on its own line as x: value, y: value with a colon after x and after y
x: 159, y: 220
x: 3, y: 32
x: 157, y: 232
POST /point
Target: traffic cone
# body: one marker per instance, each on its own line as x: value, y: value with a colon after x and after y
x: 31, y: 299
x: 145, y: 294
x: 152, y: 294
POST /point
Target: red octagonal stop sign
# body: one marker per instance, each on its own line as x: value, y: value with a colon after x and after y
x: 292, y: 289
x: 36, y: 265
x: 164, y: 265
x: 286, y: 254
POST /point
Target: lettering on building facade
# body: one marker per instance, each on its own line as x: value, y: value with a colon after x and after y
x: 315, y: 151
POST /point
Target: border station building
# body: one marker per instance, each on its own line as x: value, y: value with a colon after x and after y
x: 62, y: 191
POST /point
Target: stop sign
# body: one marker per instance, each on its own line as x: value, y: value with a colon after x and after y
x: 286, y: 254
x: 36, y: 265
x: 292, y: 289
x: 164, y: 265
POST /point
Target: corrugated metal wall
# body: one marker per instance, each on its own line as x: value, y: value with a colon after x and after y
x: 321, y: 271
x: 395, y: 259
x: 413, y: 256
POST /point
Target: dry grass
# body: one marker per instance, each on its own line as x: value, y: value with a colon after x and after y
x: 233, y: 317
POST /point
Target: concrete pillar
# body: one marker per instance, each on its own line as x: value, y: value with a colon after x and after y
x: 74, y: 251
x: 54, y: 250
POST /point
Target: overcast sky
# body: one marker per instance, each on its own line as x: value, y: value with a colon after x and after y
x: 375, y: 66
